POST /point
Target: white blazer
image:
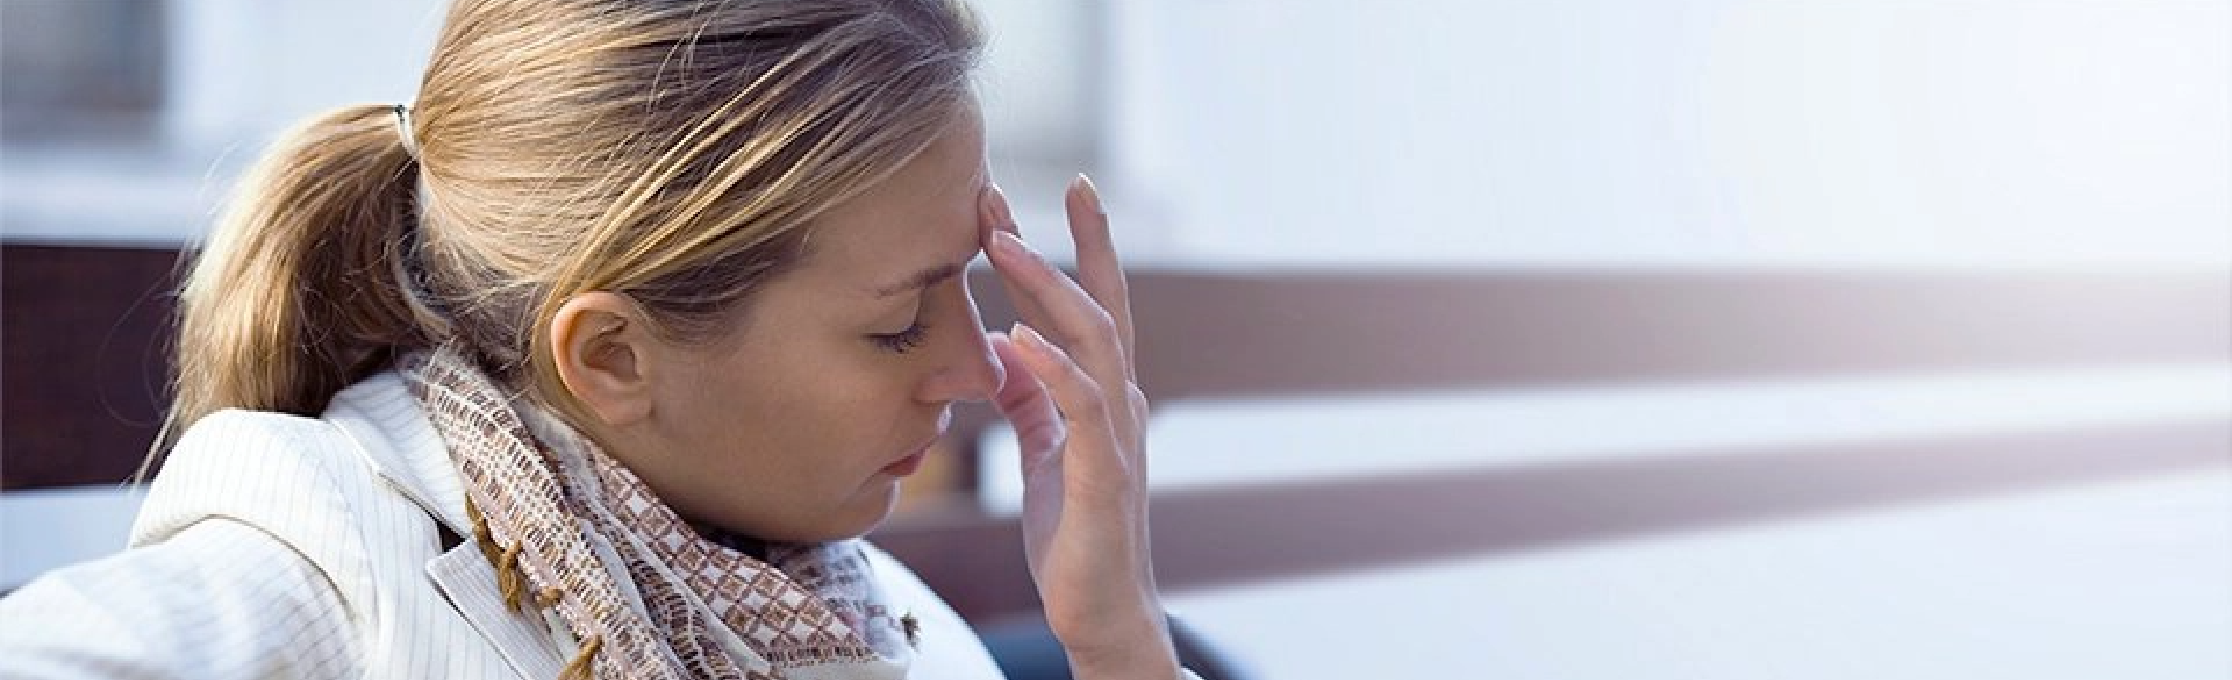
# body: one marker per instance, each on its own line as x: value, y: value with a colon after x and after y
x: 279, y: 546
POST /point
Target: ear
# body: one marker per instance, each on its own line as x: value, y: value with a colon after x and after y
x: 603, y: 346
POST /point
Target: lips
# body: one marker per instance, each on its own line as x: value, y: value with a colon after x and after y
x: 913, y: 460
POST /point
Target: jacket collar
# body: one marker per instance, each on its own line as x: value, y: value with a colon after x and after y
x: 400, y: 446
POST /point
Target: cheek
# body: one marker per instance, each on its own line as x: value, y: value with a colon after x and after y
x: 821, y: 414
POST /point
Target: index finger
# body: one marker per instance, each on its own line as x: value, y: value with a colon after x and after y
x: 1054, y: 303
x: 997, y: 218
x: 1098, y: 269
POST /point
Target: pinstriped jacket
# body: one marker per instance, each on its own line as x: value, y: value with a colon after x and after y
x: 280, y: 546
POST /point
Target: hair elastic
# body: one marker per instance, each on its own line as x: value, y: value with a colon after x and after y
x: 403, y: 127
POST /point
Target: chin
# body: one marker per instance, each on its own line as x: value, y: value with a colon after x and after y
x: 850, y: 520
x: 874, y: 514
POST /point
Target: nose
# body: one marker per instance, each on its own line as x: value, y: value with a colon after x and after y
x: 968, y: 369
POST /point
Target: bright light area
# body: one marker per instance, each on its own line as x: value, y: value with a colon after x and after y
x: 2125, y: 580
x: 2007, y: 133
x: 46, y: 529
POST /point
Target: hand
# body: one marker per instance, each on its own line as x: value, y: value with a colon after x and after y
x: 1080, y: 419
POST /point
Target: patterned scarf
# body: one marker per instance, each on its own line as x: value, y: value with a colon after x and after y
x: 578, y: 537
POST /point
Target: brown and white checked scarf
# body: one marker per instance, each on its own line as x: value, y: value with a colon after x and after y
x: 574, y: 534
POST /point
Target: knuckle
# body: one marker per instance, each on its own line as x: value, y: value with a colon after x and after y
x: 1135, y: 399
x: 1090, y: 397
x: 1087, y: 384
x: 1102, y: 325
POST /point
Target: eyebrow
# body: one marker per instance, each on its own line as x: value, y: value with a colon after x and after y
x: 920, y: 280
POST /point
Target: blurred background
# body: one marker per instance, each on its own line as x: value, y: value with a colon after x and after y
x: 1501, y: 338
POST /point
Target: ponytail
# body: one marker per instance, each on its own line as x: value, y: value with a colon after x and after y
x: 303, y: 287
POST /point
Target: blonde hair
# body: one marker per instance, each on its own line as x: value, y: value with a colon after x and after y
x: 674, y: 151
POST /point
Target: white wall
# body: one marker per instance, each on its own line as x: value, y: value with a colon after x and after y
x: 242, y: 70
x: 1710, y: 134
x: 1686, y: 132
x: 1500, y: 132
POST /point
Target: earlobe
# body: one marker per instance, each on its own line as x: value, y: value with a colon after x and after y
x: 599, y: 342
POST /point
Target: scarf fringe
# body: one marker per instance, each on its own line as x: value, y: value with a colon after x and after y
x: 579, y: 667
x: 482, y: 537
x: 511, y: 581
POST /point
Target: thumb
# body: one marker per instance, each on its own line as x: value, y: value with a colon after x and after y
x: 1023, y: 400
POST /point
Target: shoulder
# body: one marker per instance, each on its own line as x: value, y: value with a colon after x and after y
x: 255, y: 608
x: 288, y: 476
x: 313, y: 487
x: 901, y: 584
x: 322, y: 485
x: 352, y: 496
x: 949, y: 648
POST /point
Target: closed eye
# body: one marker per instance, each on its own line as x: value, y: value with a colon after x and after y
x: 902, y: 341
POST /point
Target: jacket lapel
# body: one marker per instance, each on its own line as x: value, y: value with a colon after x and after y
x: 402, y: 448
x: 523, y: 637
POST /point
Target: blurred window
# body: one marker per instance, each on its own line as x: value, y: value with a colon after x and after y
x: 74, y: 71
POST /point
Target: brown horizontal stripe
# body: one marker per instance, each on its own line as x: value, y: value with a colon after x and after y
x: 1252, y: 334
x: 85, y: 330
x: 84, y: 337
x: 1211, y: 537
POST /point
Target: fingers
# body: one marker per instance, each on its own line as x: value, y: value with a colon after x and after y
x: 1090, y: 325
x: 1097, y: 266
x: 1024, y: 402
x: 998, y: 218
x: 1074, y: 391
x: 1050, y: 301
x: 1083, y: 405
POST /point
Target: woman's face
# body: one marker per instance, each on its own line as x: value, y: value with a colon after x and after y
x: 799, y: 424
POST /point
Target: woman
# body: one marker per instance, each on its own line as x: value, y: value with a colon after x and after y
x: 596, y: 361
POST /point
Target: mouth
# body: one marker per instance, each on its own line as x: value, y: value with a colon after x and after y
x: 913, y: 460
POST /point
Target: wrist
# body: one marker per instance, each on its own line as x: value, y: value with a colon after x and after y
x: 1145, y: 654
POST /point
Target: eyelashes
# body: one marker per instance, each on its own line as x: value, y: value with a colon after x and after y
x: 917, y: 332
x: 902, y: 341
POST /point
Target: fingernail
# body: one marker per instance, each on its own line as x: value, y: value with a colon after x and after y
x: 1030, y: 338
x: 996, y: 206
x: 1011, y: 242
x: 1083, y: 185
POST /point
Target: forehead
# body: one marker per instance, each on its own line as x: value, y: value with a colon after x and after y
x: 923, y: 215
